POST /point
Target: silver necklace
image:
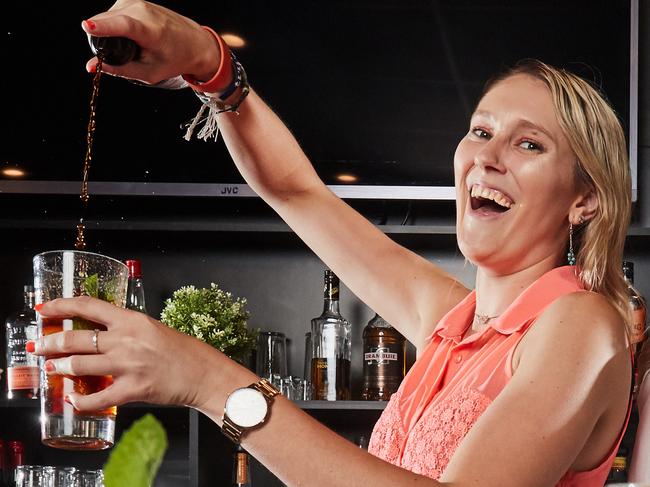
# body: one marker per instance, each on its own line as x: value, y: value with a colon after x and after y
x: 482, y: 320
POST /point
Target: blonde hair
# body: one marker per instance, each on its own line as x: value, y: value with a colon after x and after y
x: 596, y: 137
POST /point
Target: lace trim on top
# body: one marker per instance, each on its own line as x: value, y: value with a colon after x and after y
x: 434, y: 439
x: 388, y: 435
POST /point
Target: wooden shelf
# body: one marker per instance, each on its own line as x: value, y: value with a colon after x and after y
x: 307, y: 405
x: 232, y: 227
x: 203, y: 226
x: 342, y: 405
x: 35, y: 404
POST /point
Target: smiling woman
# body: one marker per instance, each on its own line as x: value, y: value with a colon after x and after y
x: 512, y: 366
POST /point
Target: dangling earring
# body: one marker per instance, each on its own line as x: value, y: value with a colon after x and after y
x: 570, y: 256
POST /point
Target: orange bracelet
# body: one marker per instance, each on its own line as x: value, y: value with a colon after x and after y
x: 222, y: 78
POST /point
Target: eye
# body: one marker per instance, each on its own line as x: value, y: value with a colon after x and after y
x: 480, y: 133
x: 529, y: 145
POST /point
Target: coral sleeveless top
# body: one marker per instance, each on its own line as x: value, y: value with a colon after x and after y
x: 454, y: 382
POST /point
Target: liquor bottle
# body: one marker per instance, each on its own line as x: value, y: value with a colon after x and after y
x: 331, y: 347
x: 16, y: 457
x: 22, y: 368
x: 618, y: 471
x: 135, y: 288
x: 638, y: 306
x: 384, y: 360
x: 241, y: 470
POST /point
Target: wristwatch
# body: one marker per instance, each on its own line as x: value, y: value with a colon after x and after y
x: 247, y: 408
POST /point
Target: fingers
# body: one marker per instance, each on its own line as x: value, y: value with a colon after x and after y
x: 80, y: 365
x: 112, y: 24
x: 85, y: 307
x: 103, y: 399
x: 72, y: 342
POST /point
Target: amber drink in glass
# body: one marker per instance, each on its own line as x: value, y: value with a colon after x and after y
x: 66, y: 274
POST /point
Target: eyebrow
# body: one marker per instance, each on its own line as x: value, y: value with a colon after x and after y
x: 522, y: 122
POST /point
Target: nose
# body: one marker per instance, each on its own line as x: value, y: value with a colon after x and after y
x: 488, y: 157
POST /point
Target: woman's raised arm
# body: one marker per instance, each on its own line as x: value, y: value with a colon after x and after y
x: 410, y: 292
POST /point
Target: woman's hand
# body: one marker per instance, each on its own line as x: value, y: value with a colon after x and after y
x: 149, y: 361
x: 170, y: 44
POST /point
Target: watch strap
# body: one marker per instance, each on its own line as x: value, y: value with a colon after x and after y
x: 266, y: 388
x: 233, y: 431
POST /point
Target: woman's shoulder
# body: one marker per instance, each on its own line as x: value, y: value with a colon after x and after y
x: 585, y: 320
x: 586, y: 309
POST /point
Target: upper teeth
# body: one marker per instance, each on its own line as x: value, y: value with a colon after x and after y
x: 498, y: 197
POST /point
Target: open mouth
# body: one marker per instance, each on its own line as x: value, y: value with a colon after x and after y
x: 489, y: 200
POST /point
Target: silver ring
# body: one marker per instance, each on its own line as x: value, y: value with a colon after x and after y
x: 95, y: 341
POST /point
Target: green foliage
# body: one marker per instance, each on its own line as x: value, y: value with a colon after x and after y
x: 213, y: 316
x: 136, y: 458
x: 92, y: 288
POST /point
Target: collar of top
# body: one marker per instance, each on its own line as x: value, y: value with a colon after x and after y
x: 527, y: 306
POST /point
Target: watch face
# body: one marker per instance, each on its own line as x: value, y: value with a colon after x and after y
x: 246, y: 407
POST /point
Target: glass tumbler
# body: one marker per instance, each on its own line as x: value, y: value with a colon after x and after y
x: 271, y: 355
x: 66, y: 274
x: 34, y: 476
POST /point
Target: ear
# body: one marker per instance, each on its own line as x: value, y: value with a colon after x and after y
x: 584, y: 207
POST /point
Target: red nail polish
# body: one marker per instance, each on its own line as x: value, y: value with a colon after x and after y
x: 90, y: 24
x: 38, y: 306
x: 66, y: 398
x: 92, y: 69
x: 49, y: 366
x: 30, y: 347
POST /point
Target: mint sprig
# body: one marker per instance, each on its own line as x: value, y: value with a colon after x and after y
x: 137, y: 456
x: 91, y: 288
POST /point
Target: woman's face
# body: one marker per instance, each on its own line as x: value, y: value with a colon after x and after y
x: 514, y: 173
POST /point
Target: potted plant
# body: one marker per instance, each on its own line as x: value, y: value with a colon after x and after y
x: 213, y: 316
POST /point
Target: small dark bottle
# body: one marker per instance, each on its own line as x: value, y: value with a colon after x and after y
x: 114, y: 50
x: 384, y: 360
x: 241, y: 469
x: 135, y: 288
x: 23, y: 378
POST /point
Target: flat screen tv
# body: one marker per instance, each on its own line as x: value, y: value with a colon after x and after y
x: 377, y: 92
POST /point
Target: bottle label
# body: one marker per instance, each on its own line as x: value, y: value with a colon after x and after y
x: 331, y: 292
x: 22, y: 378
x: 638, y: 325
x: 380, y: 356
x: 242, y: 468
x: 383, y: 369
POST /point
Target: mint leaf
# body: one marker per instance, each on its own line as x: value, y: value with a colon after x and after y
x: 137, y: 456
x: 91, y: 286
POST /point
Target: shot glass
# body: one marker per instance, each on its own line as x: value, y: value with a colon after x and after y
x: 34, y: 476
x: 91, y: 478
x: 66, y: 274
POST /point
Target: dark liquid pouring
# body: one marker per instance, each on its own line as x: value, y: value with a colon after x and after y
x: 80, y: 243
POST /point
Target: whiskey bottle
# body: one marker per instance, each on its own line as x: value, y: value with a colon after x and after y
x: 331, y: 347
x: 241, y: 470
x: 638, y: 307
x: 384, y: 360
x: 135, y: 287
x: 22, y: 368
